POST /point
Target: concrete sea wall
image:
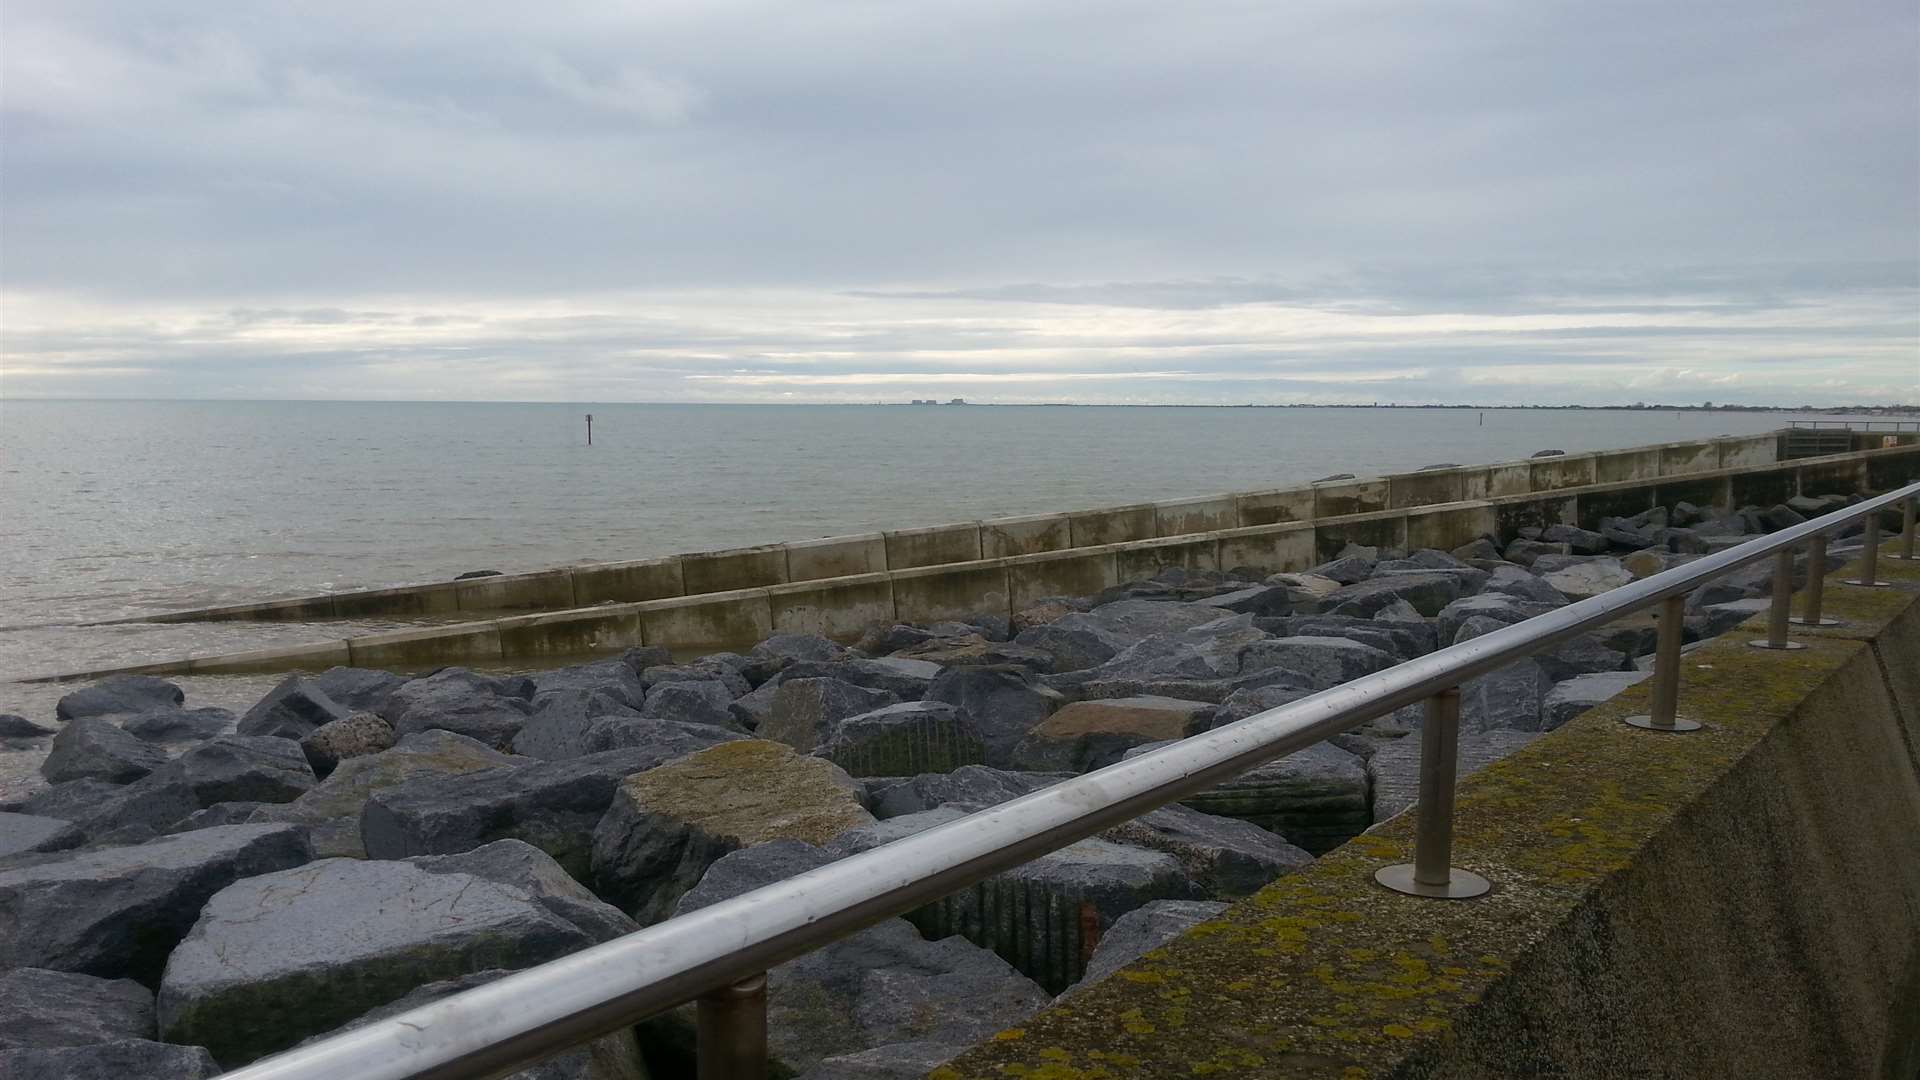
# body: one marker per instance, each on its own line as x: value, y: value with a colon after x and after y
x: 841, y: 607
x: 1739, y: 901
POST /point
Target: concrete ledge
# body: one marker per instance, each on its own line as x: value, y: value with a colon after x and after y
x: 710, y: 623
x: 628, y: 582
x: 1003, y: 538
x: 952, y: 592
x: 570, y: 633
x: 428, y: 647
x: 316, y: 657
x: 1112, y: 525
x: 836, y: 556
x: 841, y: 609
x: 735, y: 568
x: 936, y: 545
x: 1743, y: 901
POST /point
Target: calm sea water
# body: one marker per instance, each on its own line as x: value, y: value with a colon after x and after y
x: 110, y: 508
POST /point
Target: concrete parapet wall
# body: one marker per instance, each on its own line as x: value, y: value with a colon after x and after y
x: 839, y: 608
x: 1341, y: 498
x: 1079, y: 572
x: 628, y: 582
x: 836, y: 556
x: 1002, y: 538
x: 1114, y: 525
x: 1202, y: 514
x: 938, y: 593
x: 1274, y: 507
x: 934, y: 546
x: 1741, y: 901
x: 711, y: 623
x: 736, y: 568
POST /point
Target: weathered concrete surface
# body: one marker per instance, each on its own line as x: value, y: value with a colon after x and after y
x: 1741, y: 901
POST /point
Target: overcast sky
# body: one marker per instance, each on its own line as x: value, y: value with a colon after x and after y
x: 1029, y: 201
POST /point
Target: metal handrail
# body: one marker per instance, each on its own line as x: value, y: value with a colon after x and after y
x: 532, y: 1014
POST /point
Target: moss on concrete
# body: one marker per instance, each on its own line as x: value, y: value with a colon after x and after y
x: 1325, y: 974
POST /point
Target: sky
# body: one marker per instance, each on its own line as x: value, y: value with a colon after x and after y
x: 731, y: 200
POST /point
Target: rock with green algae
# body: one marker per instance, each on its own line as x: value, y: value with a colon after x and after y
x: 281, y: 956
x: 666, y: 826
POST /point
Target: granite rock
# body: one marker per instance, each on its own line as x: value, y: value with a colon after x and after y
x: 90, y: 748
x: 119, y: 694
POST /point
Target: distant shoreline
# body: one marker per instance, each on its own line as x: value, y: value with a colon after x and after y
x: 1902, y: 411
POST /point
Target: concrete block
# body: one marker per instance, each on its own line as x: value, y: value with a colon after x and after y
x: 1571, y: 470
x: 1275, y: 507
x: 1511, y: 478
x: 1080, y: 572
x: 1688, y: 457
x: 936, y: 593
x: 1446, y: 528
x: 315, y: 657
x: 1340, y: 498
x: 711, y: 622
x: 1387, y: 531
x: 1408, y: 490
x: 296, y: 609
x: 838, y: 608
x: 1747, y: 450
x: 1617, y: 466
x: 1273, y: 548
x: 427, y: 647
x: 1476, y: 482
x: 1112, y: 525
x: 1142, y: 559
x: 836, y: 556
x: 439, y: 598
x: 1200, y: 514
x: 628, y: 582
x: 1003, y: 538
x: 548, y: 590
x: 611, y: 628
x: 735, y: 568
x: 936, y: 545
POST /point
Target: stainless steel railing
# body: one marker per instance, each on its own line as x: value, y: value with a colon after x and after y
x: 719, y: 955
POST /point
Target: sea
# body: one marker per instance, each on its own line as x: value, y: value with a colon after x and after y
x: 112, y: 509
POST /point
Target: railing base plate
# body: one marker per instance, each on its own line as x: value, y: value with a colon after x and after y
x: 1680, y: 723
x: 1785, y: 646
x: 1800, y: 620
x: 1858, y: 584
x: 1461, y: 884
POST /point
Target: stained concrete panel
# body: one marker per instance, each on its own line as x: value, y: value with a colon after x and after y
x: 1838, y: 477
x: 1894, y: 469
x: 838, y: 608
x: 541, y: 591
x: 1617, y: 466
x: 1113, y: 525
x: 737, y: 568
x: 1387, y: 531
x: 1275, y: 507
x: 1340, y: 498
x: 570, y: 633
x: 628, y: 582
x: 1202, y: 514
x: 1762, y: 487
x: 1273, y: 548
x: 402, y: 602
x: 298, y: 609
x: 1512, y: 478
x: 936, y: 593
x: 1142, y: 559
x: 1003, y: 538
x: 428, y: 647
x: 1476, y: 483
x: 1554, y: 473
x: 1747, y: 450
x: 836, y: 556
x: 1679, y: 458
x: 936, y: 545
x: 714, y: 622
x: 1060, y: 573
x: 316, y: 657
x: 1625, y: 501
x: 1446, y: 528
x: 1408, y: 490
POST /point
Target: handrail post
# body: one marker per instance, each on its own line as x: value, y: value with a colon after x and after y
x: 1666, y: 672
x: 1816, y: 584
x: 1870, y: 558
x: 1905, y: 553
x: 1432, y: 873
x: 1782, y: 608
x: 732, y: 1031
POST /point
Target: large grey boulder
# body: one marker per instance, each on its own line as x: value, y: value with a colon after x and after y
x: 117, y: 912
x: 1581, y: 541
x: 173, y: 727
x: 1321, y: 662
x: 1222, y: 856
x: 1004, y: 701
x: 1512, y: 696
x: 552, y: 805
x: 17, y: 730
x: 780, y: 651
x: 561, y: 719
x: 231, y: 768
x: 523, y: 866
x: 613, y: 679
x: 1427, y: 592
x: 1582, y: 692
x: 292, y: 710
x: 70, y: 800
x: 1582, y: 654
x: 1124, y: 622
x: 94, y: 749
x: 692, y: 701
x: 805, y: 710
x: 610, y: 1057
x: 281, y: 956
x: 360, y: 689
x: 975, y: 784
x: 1395, y: 770
x: 1263, y: 600
x: 1347, y: 569
x: 667, y: 825
x: 119, y: 1058
x: 331, y: 809
x: 1070, y: 647
x: 491, y: 710
x: 882, y: 986
x: 667, y: 738
x: 911, y: 737
x: 1588, y: 578
x: 904, y: 678
x: 705, y: 669
x: 1143, y: 930
x: 355, y: 736
x: 1503, y: 608
x: 119, y: 694
x: 1316, y: 798
x: 1088, y: 735
x: 1403, y: 639
x: 1209, y: 651
x: 27, y: 832
x: 39, y: 1007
